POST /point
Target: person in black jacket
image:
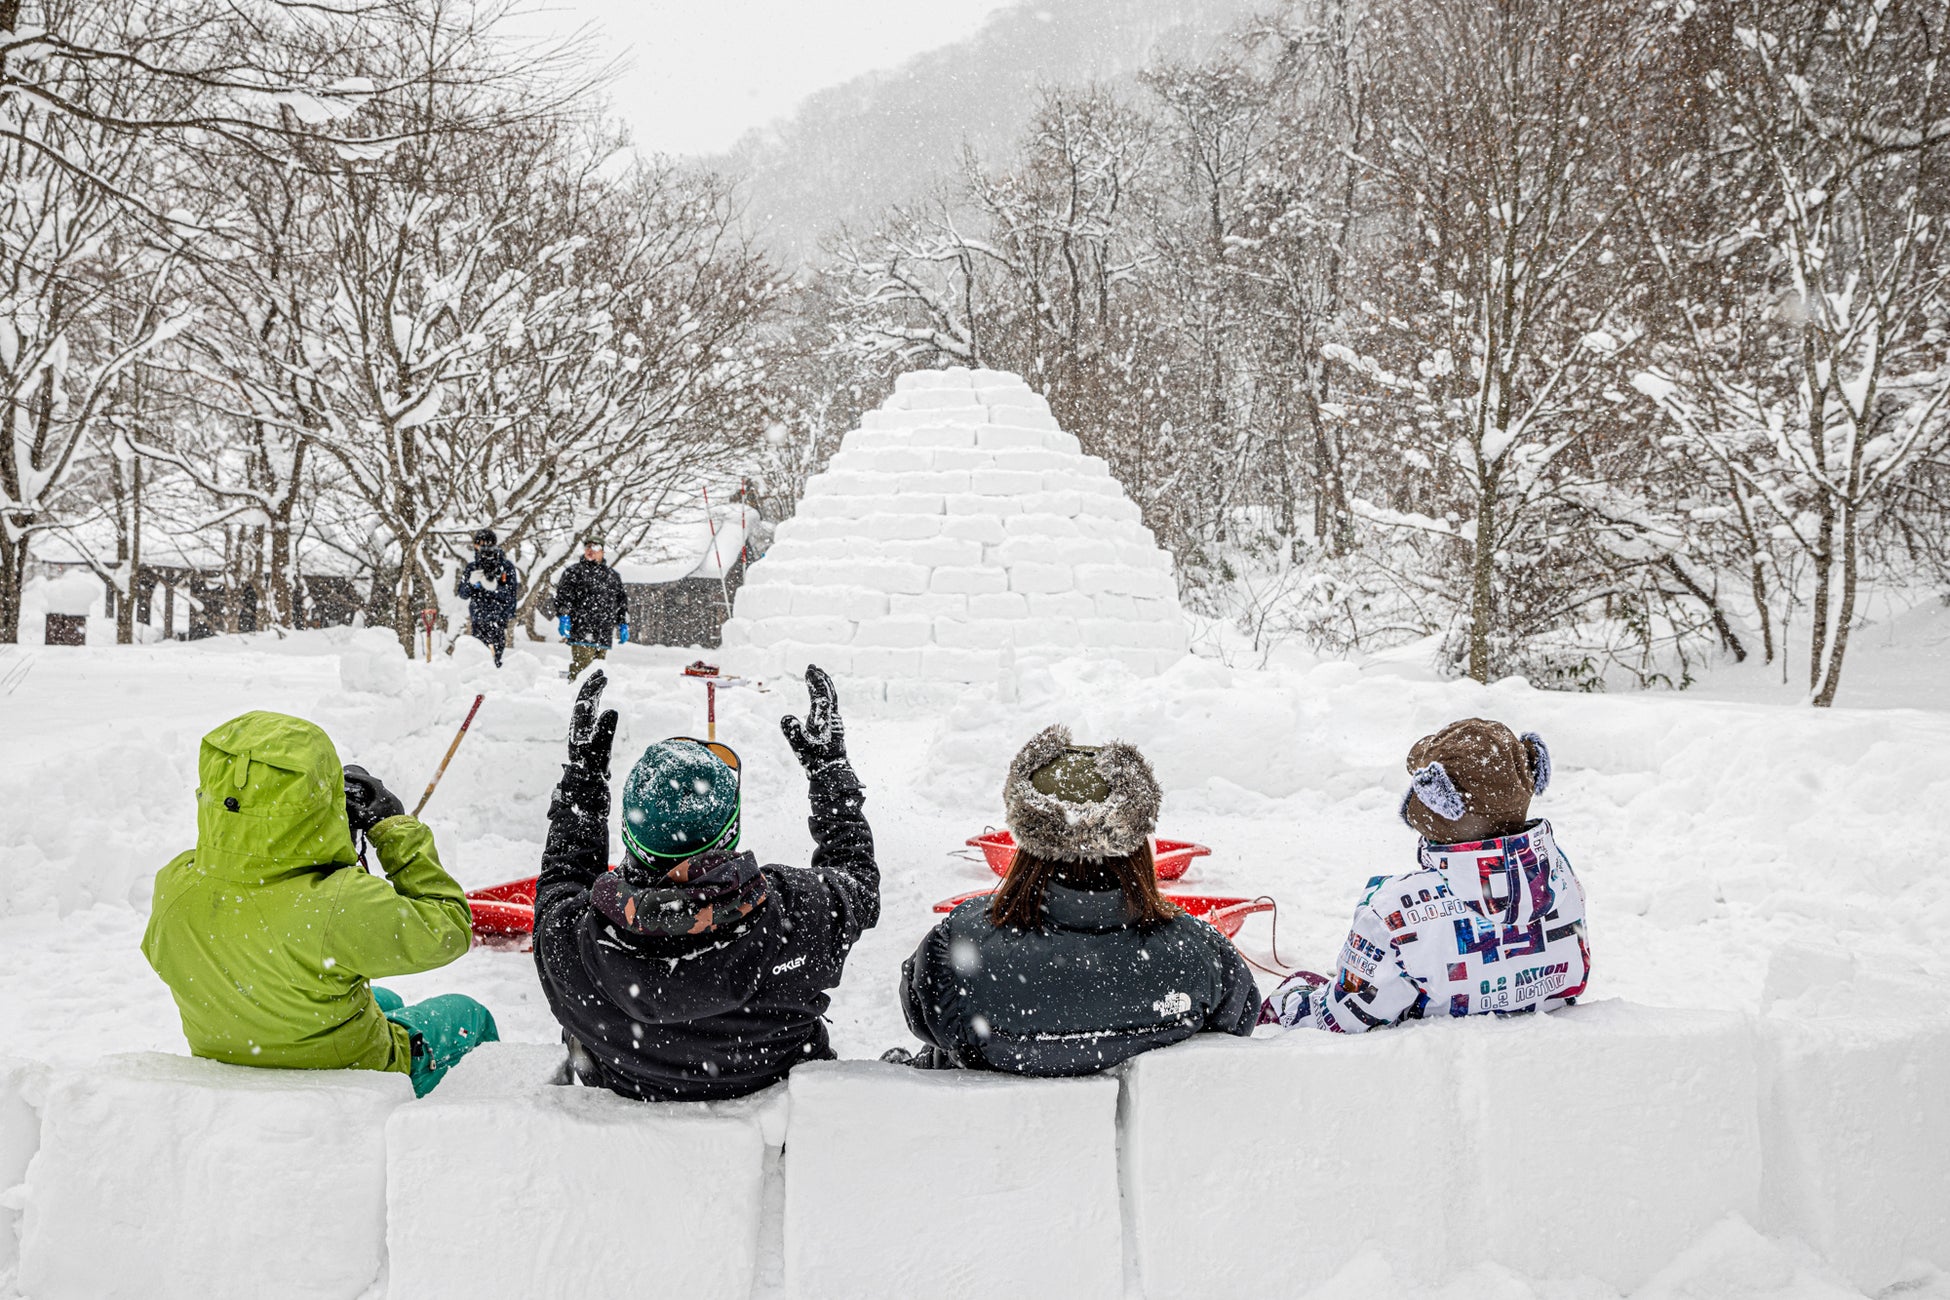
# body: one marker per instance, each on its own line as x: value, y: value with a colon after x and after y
x: 1077, y: 962
x: 492, y: 588
x: 691, y: 973
x: 590, y: 607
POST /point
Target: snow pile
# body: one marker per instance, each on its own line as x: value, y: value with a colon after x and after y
x: 670, y: 1193
x: 958, y: 531
x: 951, y: 1184
x: 161, y: 1177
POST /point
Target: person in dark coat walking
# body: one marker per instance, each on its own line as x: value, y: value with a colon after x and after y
x: 493, y: 589
x: 1077, y: 962
x: 690, y: 972
x: 590, y: 607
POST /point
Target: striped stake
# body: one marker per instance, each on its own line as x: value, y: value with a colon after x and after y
x: 468, y: 722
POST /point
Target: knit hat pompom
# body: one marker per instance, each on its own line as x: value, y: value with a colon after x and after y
x: 1474, y: 780
x: 1069, y: 803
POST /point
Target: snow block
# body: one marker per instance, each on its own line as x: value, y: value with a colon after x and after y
x: 1648, y: 1113
x: 1856, y: 1137
x: 950, y: 1184
x: 1246, y: 1162
x: 1650, y: 1109
x: 166, y: 1176
x: 559, y: 1179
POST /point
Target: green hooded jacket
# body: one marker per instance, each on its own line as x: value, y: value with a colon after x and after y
x: 268, y: 933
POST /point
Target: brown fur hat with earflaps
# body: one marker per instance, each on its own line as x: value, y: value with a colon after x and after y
x: 1473, y: 780
x: 1102, y: 803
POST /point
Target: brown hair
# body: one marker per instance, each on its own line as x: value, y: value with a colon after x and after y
x: 1020, y: 900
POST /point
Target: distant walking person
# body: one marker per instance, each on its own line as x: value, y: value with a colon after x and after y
x: 590, y: 607
x: 493, y: 589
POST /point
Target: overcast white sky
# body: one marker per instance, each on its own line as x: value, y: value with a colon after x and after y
x: 703, y: 72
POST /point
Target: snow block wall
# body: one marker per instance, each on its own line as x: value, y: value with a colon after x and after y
x: 1608, y: 1142
x: 956, y: 532
x: 162, y: 1176
x: 950, y: 1184
x: 1587, y: 1142
x: 1858, y: 1143
x: 581, y: 1192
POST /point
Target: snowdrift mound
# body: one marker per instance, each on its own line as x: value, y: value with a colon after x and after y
x: 958, y: 532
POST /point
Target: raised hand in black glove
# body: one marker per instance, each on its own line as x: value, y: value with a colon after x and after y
x: 591, y: 733
x: 821, y: 740
x: 367, y: 800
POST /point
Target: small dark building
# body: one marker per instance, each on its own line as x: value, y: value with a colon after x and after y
x: 685, y: 602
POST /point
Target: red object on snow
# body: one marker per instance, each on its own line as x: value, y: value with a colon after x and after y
x: 1171, y: 857
x: 1224, y: 914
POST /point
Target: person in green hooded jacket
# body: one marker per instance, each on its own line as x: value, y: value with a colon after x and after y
x: 269, y: 932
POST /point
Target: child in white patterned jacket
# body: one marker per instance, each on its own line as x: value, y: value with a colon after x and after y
x: 1491, y: 920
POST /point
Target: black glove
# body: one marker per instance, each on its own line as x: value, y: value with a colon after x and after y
x: 591, y: 736
x: 367, y: 800
x: 821, y: 740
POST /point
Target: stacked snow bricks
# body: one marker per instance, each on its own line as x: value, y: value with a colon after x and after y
x: 957, y: 532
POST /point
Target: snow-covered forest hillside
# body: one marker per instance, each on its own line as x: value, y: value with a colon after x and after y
x: 1594, y: 342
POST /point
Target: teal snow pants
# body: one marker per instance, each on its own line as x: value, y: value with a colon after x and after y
x: 444, y: 1029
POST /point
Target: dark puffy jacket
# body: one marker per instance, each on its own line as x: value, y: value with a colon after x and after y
x: 1088, y: 991
x: 722, y: 1014
x: 591, y: 595
x: 491, y: 586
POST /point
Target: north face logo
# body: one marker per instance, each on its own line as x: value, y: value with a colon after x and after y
x: 785, y: 966
x: 1173, y: 1004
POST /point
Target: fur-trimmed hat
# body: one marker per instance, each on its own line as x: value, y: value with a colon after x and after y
x: 1069, y: 803
x: 1473, y: 780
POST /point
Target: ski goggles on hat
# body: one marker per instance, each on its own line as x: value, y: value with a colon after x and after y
x: 725, y: 753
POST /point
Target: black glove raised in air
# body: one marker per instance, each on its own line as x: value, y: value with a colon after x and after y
x: 592, y: 732
x: 820, y: 741
x: 367, y: 800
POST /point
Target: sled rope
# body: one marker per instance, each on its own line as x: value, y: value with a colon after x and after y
x: 1274, y: 921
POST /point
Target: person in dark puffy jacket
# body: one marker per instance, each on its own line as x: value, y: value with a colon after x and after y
x: 492, y: 588
x: 1077, y: 962
x: 591, y: 607
x: 692, y: 973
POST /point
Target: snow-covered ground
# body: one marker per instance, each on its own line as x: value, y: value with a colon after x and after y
x: 1741, y: 851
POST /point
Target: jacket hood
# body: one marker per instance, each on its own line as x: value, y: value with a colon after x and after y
x: 1507, y: 879
x: 270, y: 800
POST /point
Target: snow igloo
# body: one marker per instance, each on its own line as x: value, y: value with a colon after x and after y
x: 958, y: 534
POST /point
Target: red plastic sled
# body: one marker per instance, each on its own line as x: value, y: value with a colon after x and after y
x: 503, y: 912
x: 1170, y: 856
x: 1224, y: 914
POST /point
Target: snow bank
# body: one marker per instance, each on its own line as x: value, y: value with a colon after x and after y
x: 20, y: 1135
x: 957, y: 533
x: 162, y: 1176
x: 578, y: 1189
x: 1858, y: 1143
x: 1591, y: 1142
x: 905, y: 1182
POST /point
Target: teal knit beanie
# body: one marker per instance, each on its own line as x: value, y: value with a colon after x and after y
x: 680, y: 799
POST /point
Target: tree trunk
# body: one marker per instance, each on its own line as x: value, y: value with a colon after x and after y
x: 1482, y: 587
x: 1720, y: 625
x: 1824, y: 556
x: 129, y: 559
x: 13, y: 576
x: 1838, y: 646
